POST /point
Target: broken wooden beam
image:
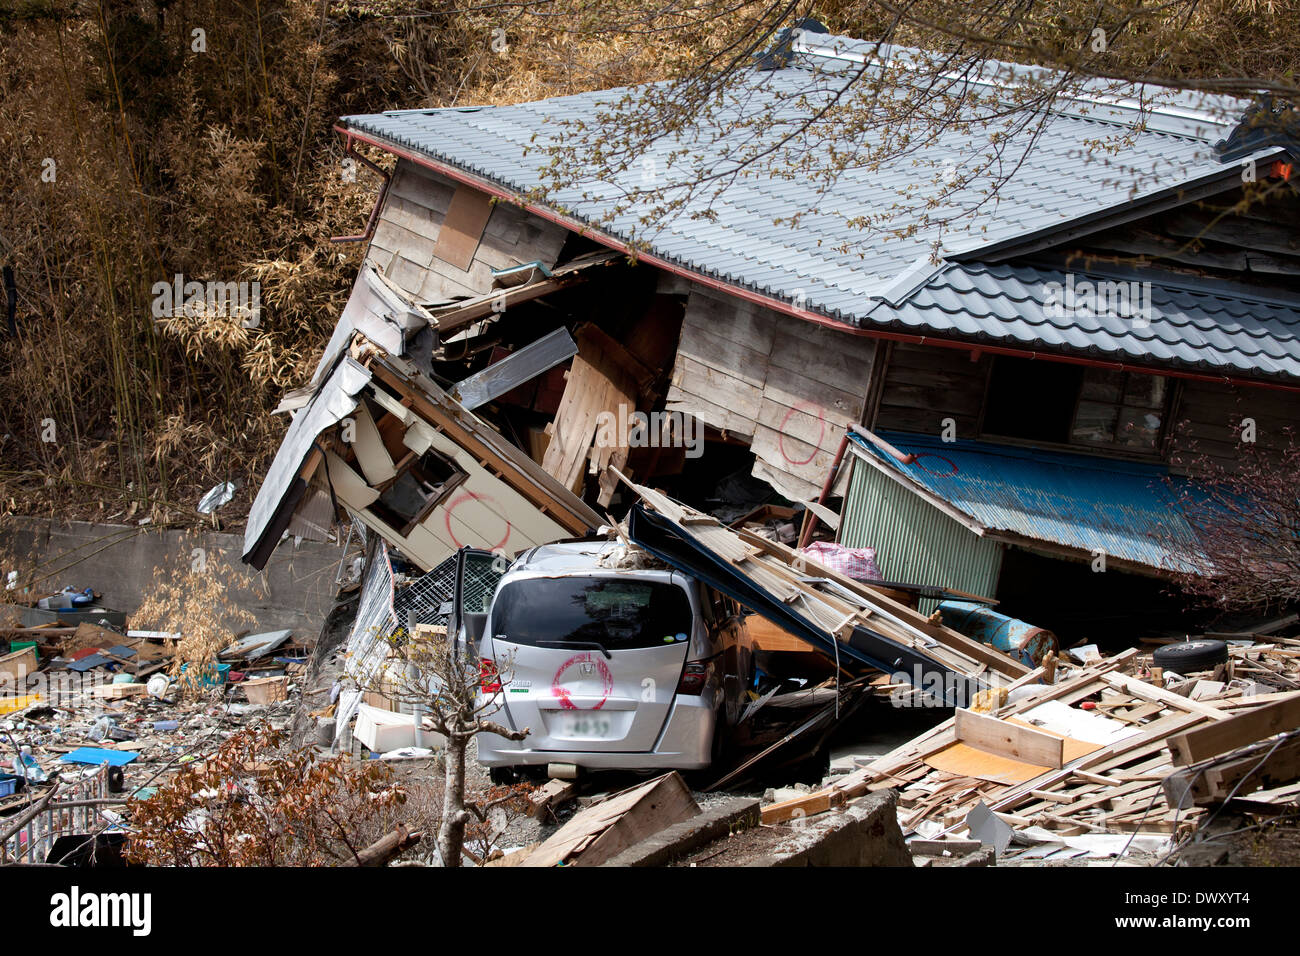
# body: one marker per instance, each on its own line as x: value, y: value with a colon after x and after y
x: 1241, y: 729
x: 386, y: 847
x: 553, y: 794
x: 1270, y: 763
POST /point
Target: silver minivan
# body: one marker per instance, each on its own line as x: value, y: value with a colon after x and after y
x: 610, y: 667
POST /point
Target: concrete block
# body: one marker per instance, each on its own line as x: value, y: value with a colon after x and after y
x: 865, y: 833
x: 676, y: 841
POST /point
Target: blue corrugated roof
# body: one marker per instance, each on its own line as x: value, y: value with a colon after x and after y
x: 1126, y: 509
x: 1199, y: 323
x: 826, y: 263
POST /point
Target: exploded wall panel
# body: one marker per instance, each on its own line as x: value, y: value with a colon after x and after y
x: 789, y: 386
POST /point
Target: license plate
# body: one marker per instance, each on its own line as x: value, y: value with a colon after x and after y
x: 589, y: 726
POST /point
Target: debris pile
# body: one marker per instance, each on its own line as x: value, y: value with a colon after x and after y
x: 1100, y: 762
x: 92, y: 713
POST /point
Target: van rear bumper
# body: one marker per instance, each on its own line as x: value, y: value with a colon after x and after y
x: 684, y: 744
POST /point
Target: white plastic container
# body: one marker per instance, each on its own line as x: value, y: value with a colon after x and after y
x: 383, y: 730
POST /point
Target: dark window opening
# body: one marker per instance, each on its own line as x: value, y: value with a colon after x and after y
x: 416, y: 491
x: 615, y: 613
x: 1073, y: 405
x: 1031, y: 399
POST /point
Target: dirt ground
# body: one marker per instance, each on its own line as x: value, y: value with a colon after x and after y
x: 1241, y: 840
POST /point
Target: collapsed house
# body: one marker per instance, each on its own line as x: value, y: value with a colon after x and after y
x: 990, y: 402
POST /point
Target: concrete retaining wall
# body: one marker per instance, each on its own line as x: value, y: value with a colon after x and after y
x: 865, y: 833
x: 119, y: 560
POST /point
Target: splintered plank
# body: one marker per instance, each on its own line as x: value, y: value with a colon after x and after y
x: 1009, y: 740
x: 804, y: 806
x: 1140, y: 688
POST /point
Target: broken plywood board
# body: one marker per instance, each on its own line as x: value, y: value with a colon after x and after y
x: 1010, y: 753
x: 462, y: 227
x: 768, y: 637
x: 604, y: 830
x: 597, y: 389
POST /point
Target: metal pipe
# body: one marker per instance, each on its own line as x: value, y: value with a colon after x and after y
x: 810, y: 522
x: 777, y: 305
x: 883, y: 445
x: 351, y: 150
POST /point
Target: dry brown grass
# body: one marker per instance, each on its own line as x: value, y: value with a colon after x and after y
x: 195, y: 595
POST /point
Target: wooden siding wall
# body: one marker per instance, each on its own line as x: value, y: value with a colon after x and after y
x: 787, y: 386
x: 924, y: 385
x: 1207, y: 421
x: 407, y: 232
x: 1231, y: 236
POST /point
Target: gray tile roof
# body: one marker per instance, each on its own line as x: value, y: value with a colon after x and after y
x: 825, y: 264
x: 1198, y: 324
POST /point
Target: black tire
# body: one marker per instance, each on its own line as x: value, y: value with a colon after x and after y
x: 503, y: 776
x: 720, y: 745
x: 1187, y: 656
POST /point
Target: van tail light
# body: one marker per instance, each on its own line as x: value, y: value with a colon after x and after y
x: 488, y: 677
x: 695, y: 677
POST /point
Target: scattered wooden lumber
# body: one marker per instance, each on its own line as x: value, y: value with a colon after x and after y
x: 1237, y: 731
x: 1269, y: 763
x: 1114, y: 782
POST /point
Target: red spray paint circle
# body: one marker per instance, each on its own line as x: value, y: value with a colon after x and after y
x: 952, y: 467
x: 821, y: 432
x: 461, y: 499
x: 561, y: 693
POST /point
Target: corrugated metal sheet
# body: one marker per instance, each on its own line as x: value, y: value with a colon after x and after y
x: 1125, y: 509
x: 1185, y: 320
x: 831, y: 263
x: 915, y: 542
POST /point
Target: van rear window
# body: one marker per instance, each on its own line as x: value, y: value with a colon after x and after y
x: 613, y: 612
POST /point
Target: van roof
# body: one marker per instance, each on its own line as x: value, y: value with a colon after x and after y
x: 567, y: 556
x: 584, y: 557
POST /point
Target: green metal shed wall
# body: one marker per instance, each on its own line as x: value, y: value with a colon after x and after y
x: 915, y: 542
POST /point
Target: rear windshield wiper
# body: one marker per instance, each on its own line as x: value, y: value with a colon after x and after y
x: 588, y: 644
